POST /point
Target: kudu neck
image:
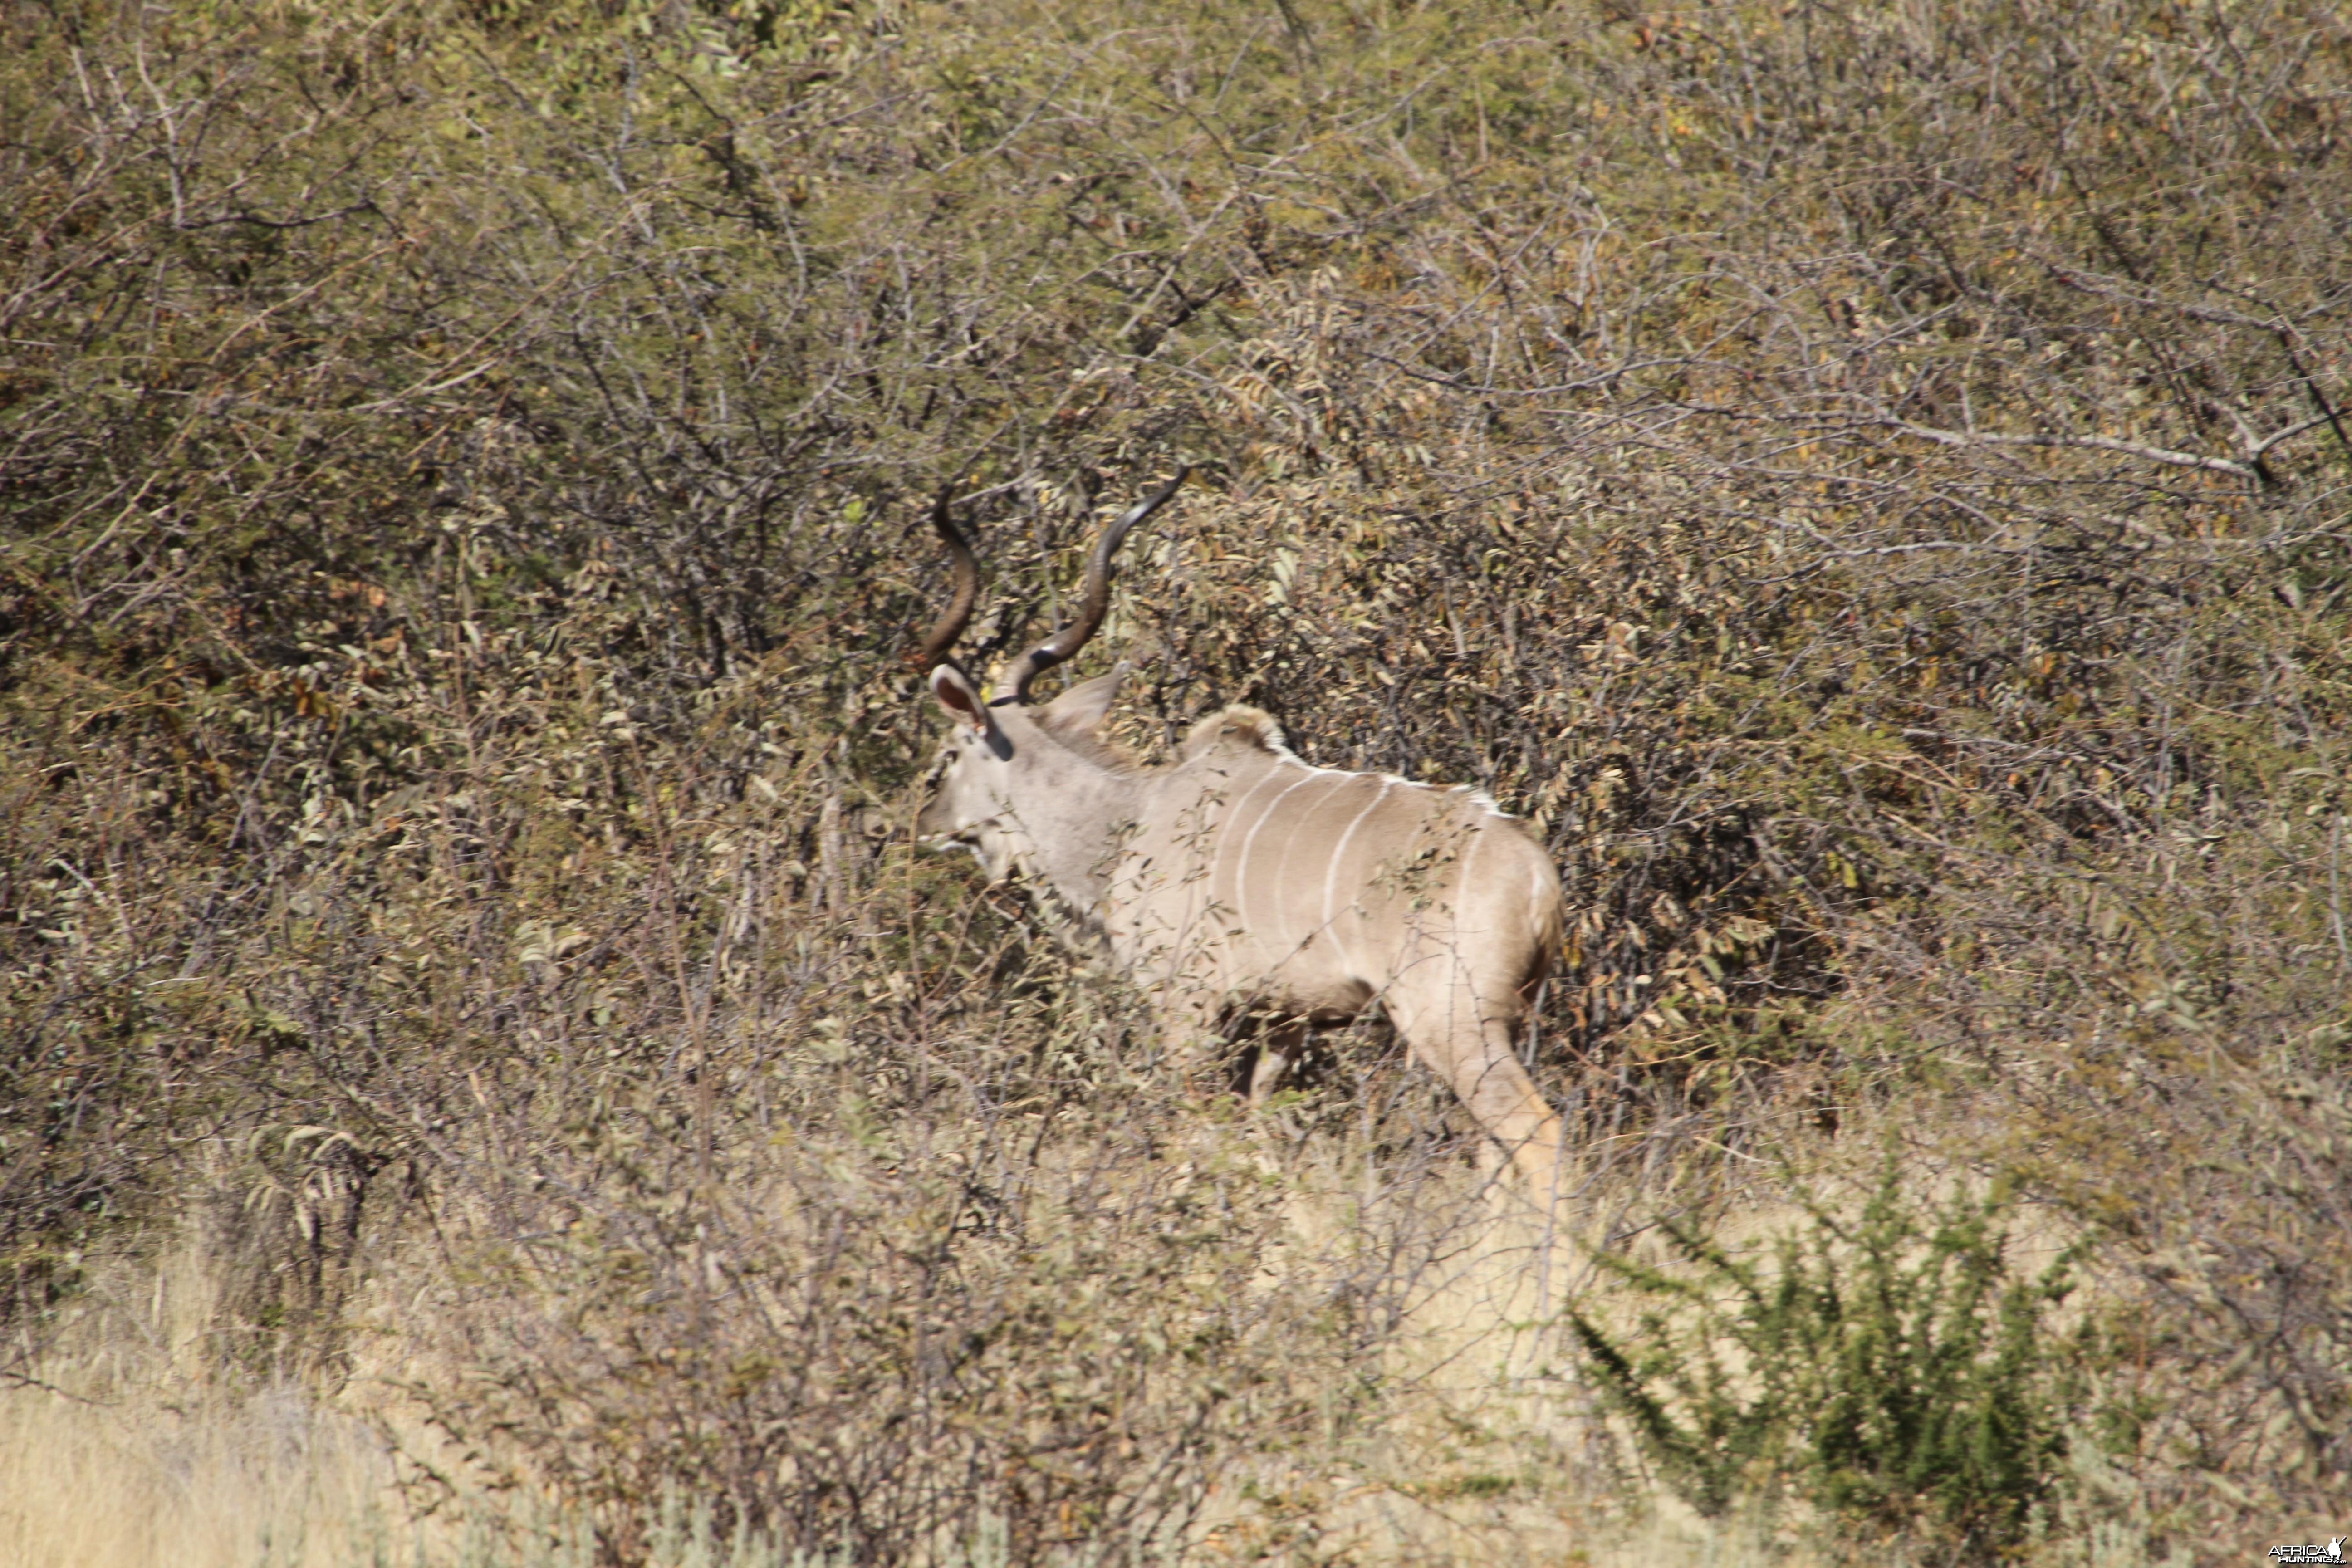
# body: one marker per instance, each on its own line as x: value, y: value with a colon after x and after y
x: 1074, y: 809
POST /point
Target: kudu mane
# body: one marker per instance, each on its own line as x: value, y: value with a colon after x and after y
x: 1240, y: 726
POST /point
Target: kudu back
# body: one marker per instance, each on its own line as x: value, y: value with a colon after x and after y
x: 1239, y: 878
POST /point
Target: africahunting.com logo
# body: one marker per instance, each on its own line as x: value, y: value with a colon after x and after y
x: 2310, y: 1552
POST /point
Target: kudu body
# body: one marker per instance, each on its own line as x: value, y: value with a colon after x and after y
x: 1239, y: 878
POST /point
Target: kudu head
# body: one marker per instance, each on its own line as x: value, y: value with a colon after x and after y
x: 1008, y: 764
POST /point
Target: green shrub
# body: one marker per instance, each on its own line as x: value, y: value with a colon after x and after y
x: 1891, y: 1370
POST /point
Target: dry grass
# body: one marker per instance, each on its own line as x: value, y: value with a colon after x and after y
x: 144, y: 1482
x: 131, y: 1448
x: 122, y: 1449
x: 124, y: 1446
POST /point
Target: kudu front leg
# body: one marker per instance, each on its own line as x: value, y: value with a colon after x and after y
x: 1191, y: 1042
x: 1279, y: 1047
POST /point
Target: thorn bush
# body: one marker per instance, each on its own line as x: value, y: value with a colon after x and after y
x: 1888, y: 1369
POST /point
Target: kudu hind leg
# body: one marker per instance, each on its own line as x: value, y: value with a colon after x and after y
x: 1476, y: 1057
x: 1513, y: 1112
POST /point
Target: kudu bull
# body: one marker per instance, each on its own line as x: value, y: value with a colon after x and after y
x: 1238, y: 878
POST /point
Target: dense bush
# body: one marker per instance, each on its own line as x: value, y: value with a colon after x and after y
x: 1868, y: 483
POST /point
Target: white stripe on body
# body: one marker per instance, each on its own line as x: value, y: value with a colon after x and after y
x: 1331, y: 877
x: 1308, y: 830
x: 1225, y: 837
x: 1241, y: 883
x: 1460, y: 912
x: 1462, y: 888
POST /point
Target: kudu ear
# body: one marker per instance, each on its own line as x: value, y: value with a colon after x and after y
x: 1081, y: 709
x: 956, y: 695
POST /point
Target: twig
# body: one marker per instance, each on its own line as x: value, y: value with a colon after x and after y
x: 2099, y: 443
